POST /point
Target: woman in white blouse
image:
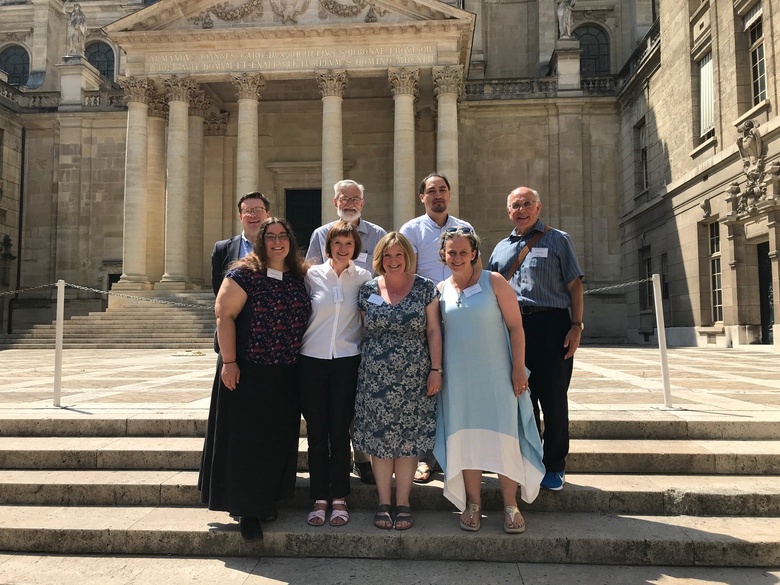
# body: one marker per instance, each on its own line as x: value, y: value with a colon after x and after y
x: 328, y: 370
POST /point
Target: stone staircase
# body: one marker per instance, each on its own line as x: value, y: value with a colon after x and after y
x: 135, y: 325
x: 639, y: 492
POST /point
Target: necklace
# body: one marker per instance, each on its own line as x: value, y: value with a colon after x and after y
x: 462, y: 289
x: 394, y: 294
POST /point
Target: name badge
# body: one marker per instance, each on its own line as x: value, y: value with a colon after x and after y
x: 376, y: 300
x: 472, y: 290
x: 362, y: 257
x: 338, y: 294
x: 539, y: 252
x: 277, y: 274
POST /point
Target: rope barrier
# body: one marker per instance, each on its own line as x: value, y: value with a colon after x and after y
x: 615, y: 286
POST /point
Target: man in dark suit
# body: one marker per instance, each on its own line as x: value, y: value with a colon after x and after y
x: 253, y: 209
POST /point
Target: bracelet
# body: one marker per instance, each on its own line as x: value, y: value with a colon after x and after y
x: 441, y: 371
x: 226, y: 363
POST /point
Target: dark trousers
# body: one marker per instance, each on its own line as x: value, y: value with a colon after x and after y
x: 549, y: 382
x: 326, y: 390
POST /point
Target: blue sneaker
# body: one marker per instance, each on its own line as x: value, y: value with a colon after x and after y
x: 553, y: 481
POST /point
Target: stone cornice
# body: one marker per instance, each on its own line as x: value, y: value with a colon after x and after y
x: 332, y: 82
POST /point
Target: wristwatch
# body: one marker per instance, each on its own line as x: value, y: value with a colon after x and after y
x: 579, y: 324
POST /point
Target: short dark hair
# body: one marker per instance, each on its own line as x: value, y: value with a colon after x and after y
x: 255, y: 195
x: 471, y: 236
x: 343, y: 228
x: 431, y: 176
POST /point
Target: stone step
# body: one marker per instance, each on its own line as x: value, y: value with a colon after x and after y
x: 585, y: 456
x: 42, y: 344
x: 658, y: 495
x: 550, y: 537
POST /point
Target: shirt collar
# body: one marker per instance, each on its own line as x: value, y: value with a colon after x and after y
x: 246, y: 241
x: 435, y: 225
x: 350, y: 269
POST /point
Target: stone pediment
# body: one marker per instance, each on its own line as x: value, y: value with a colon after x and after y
x: 279, y: 37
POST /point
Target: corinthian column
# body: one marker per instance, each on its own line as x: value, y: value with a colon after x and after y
x: 134, y: 275
x: 447, y: 86
x: 199, y: 109
x: 176, y: 197
x: 403, y: 82
x: 155, y: 188
x: 248, y: 88
x: 332, y: 84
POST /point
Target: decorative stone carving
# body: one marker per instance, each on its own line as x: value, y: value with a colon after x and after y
x: 565, y: 20
x: 404, y: 80
x: 137, y: 89
x: 332, y: 82
x: 448, y: 79
x: 15, y: 37
x: 200, y: 105
x: 248, y: 86
x: 158, y: 106
x: 180, y: 89
x: 351, y: 10
x: 228, y: 13
x: 77, y: 31
x: 751, y: 149
x: 216, y: 124
x: 289, y: 10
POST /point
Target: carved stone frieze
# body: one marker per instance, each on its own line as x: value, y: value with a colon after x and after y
x: 248, y: 86
x: 225, y: 11
x: 180, y: 88
x: 289, y: 10
x: 215, y: 124
x: 137, y: 89
x: 15, y: 37
x: 448, y: 79
x: 351, y: 10
x: 404, y: 80
x: 332, y: 82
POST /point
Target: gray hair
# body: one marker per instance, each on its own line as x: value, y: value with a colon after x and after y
x: 338, y: 187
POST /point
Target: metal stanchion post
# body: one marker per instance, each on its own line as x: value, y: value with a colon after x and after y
x: 58, y: 341
x: 661, y: 328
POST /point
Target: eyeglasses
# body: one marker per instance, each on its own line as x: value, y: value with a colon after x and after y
x: 459, y: 230
x: 350, y: 200
x: 253, y: 210
x: 283, y: 237
x: 524, y: 205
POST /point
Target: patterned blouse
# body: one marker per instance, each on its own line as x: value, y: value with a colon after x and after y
x: 270, y: 327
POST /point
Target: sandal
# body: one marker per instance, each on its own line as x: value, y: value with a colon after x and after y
x: 317, y: 516
x: 510, y: 512
x: 424, y: 473
x: 383, y: 518
x: 403, y: 514
x: 472, y: 510
x: 339, y: 517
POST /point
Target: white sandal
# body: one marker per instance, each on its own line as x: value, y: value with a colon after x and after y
x: 339, y: 514
x: 510, y: 512
x: 317, y: 517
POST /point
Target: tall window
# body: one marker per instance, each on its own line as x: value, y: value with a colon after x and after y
x: 716, y: 286
x: 755, y: 30
x: 642, y: 171
x: 101, y: 56
x: 15, y: 61
x: 706, y: 98
x: 594, y: 43
x: 645, y: 271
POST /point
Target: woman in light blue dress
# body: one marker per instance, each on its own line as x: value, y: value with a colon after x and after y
x: 485, y: 419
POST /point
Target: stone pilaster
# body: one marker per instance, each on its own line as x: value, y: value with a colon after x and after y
x: 134, y: 275
x: 332, y: 85
x: 248, y: 89
x: 155, y: 187
x: 447, y: 87
x: 404, y: 85
x: 200, y: 106
x: 179, y: 91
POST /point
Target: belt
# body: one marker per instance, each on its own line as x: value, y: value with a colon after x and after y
x: 527, y: 310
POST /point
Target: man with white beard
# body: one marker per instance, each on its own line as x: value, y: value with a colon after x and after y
x: 348, y: 199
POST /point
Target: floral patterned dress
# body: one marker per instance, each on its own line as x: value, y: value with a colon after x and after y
x: 393, y: 416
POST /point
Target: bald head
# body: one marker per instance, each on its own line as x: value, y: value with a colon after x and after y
x: 524, y: 206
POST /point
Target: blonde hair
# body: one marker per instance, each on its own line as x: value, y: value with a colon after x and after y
x: 387, y: 241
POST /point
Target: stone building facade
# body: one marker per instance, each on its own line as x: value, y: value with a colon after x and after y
x: 121, y: 165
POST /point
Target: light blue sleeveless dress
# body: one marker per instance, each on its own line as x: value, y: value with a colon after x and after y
x: 480, y: 424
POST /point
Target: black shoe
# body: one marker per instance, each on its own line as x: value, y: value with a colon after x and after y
x: 273, y: 516
x: 251, y: 529
x: 365, y: 473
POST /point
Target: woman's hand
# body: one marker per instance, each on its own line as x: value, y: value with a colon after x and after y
x: 231, y: 374
x: 519, y: 380
x: 434, y: 382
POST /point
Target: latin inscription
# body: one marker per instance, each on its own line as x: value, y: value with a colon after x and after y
x: 294, y: 59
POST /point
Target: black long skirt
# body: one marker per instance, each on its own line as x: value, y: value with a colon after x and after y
x: 250, y: 454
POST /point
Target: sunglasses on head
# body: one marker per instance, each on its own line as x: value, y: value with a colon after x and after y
x: 459, y: 230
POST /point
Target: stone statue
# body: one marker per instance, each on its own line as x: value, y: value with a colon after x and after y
x: 751, y: 149
x: 564, y: 18
x: 77, y: 31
